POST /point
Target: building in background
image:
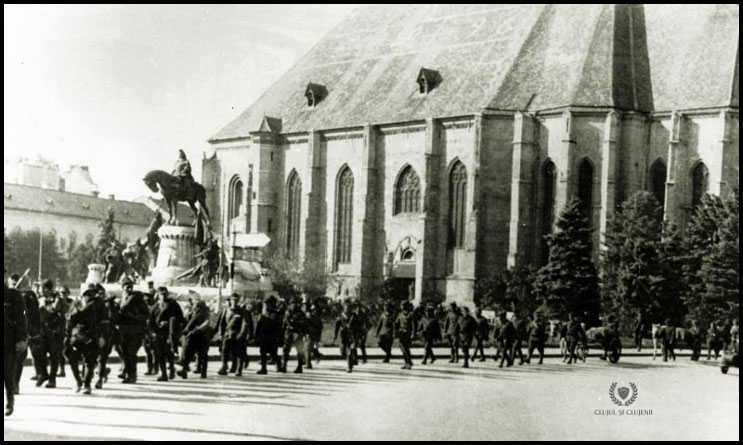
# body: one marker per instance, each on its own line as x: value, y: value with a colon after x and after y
x: 439, y: 143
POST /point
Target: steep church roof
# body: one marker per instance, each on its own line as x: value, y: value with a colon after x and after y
x: 505, y: 57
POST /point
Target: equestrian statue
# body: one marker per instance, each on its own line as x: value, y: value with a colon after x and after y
x: 178, y: 186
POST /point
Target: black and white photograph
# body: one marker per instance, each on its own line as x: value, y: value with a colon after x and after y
x: 371, y: 222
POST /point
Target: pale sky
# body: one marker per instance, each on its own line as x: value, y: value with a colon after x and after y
x: 122, y: 88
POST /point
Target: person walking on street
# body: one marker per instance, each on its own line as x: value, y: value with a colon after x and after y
x: 133, y: 316
x: 405, y: 331
x: 83, y: 340
x: 385, y: 332
x: 15, y: 337
x: 482, y: 335
x: 166, y: 320
x: 452, y: 335
x: 467, y: 330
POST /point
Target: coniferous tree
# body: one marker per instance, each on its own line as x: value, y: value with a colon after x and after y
x: 568, y: 283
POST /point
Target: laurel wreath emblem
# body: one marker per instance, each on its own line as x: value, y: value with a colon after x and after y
x: 618, y: 402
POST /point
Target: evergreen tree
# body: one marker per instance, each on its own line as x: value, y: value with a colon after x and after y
x: 703, y: 247
x: 631, y: 264
x: 107, y: 237
x: 568, y: 282
x: 21, y: 250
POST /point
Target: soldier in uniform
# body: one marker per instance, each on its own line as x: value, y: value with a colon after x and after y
x: 668, y: 341
x: 467, y: 330
x: 575, y: 334
x: 295, y: 329
x: 695, y: 335
x: 431, y: 332
x: 537, y: 334
x: 165, y: 321
x: 521, y: 336
x: 63, y: 304
x: 481, y: 335
x: 405, y: 332
x: 35, y: 342
x: 34, y: 331
x: 52, y: 339
x: 149, y: 341
x: 343, y: 327
x: 267, y: 334
x: 15, y: 337
x: 133, y: 316
x: 314, y: 335
x: 452, y: 335
x: 108, y: 318
x: 639, y: 329
x: 497, y: 339
x: 196, y: 336
x: 363, y: 314
x: 233, y: 330
x: 507, y: 337
x: 82, y: 339
x: 385, y: 330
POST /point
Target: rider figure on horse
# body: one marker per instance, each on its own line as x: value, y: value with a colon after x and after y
x: 182, y: 170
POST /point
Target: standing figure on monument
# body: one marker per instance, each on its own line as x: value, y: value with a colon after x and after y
x: 114, y: 262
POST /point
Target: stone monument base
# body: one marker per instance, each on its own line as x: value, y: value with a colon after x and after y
x: 176, y: 255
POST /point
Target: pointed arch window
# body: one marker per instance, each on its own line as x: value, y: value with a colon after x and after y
x: 293, y: 214
x: 235, y: 198
x: 457, y: 205
x: 699, y: 184
x: 658, y: 181
x: 585, y: 188
x: 343, y: 216
x: 407, y: 192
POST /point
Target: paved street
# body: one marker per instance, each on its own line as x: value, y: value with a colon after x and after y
x: 380, y: 401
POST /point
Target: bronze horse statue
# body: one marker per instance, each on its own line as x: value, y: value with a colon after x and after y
x: 174, y: 192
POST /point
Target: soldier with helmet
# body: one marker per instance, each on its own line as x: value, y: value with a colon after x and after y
x: 52, y: 337
x: 405, y: 332
x: 133, y: 315
x: 82, y: 339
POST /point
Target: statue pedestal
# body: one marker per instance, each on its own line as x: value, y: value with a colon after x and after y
x: 176, y: 254
x: 96, y: 273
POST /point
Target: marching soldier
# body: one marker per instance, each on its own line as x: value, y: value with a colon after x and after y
x: 467, y: 329
x: 34, y: 331
x: 343, y: 327
x: 148, y: 341
x: 497, y: 338
x: 232, y: 327
x: 52, y: 340
x: 15, y: 337
x: 196, y: 336
x: 405, y: 331
x: 431, y: 332
x: 537, y: 334
x: 108, y: 318
x: 507, y: 337
x: 314, y: 335
x: 133, y: 316
x: 295, y: 329
x: 481, y: 335
x: 452, y: 335
x: 63, y: 304
x: 575, y: 334
x: 166, y: 320
x: 669, y: 341
x: 521, y: 328
x: 696, y: 340
x: 82, y: 339
x: 385, y: 330
x: 267, y: 334
x: 363, y: 315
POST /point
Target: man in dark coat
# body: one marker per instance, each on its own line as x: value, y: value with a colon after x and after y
x: 384, y: 332
x: 31, y: 302
x: 639, y: 330
x: 233, y: 331
x: 430, y: 330
x: 82, y: 339
x: 108, y: 319
x: 295, y: 330
x: 405, y: 332
x: 537, y: 335
x: 52, y: 338
x: 15, y: 337
x: 166, y: 321
x: 521, y: 328
x: 63, y: 304
x: 452, y: 335
x: 133, y: 316
x: 196, y: 336
x: 668, y: 341
x: 467, y: 329
x: 268, y: 335
x: 575, y: 334
x: 150, y: 298
x: 482, y: 334
x: 507, y: 336
x: 314, y: 335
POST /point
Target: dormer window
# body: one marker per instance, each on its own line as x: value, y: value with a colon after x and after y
x: 315, y: 93
x: 428, y: 80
